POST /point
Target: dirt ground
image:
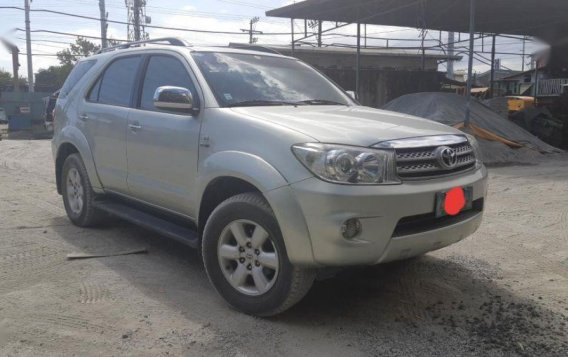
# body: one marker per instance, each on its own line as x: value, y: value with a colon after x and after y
x: 501, y: 292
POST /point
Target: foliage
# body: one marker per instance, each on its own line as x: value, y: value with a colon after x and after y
x: 6, y: 80
x: 52, y: 78
x: 81, y: 48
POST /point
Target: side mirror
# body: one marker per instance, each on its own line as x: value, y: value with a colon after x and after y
x: 170, y: 98
x: 352, y: 94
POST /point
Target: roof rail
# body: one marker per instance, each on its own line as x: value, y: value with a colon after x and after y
x: 173, y: 41
x: 259, y: 48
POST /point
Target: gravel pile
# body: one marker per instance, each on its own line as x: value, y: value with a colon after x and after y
x: 449, y: 109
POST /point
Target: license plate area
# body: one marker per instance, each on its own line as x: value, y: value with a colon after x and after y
x: 440, y: 208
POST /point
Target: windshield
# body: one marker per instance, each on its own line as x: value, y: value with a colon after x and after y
x: 253, y: 80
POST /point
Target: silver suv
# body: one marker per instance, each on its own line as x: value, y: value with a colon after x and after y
x: 261, y: 162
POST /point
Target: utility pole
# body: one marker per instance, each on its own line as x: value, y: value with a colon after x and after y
x: 316, y: 25
x: 493, y: 67
x: 292, y: 31
x: 104, y: 25
x: 472, y: 5
x: 251, y: 30
x: 136, y: 20
x: 29, y: 48
x: 451, y: 46
x: 319, y: 33
x: 423, y: 36
x: 358, y: 64
x: 524, y: 53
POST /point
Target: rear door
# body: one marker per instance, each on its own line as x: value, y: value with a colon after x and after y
x: 162, y: 147
x: 105, y: 114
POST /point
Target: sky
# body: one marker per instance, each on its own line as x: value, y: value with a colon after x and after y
x: 216, y: 15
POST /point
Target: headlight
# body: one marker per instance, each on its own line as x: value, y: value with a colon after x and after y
x: 476, y: 149
x: 348, y: 164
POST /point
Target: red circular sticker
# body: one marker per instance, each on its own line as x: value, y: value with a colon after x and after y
x: 454, y: 201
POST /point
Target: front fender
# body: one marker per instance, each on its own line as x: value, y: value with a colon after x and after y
x: 75, y: 137
x: 275, y: 189
x: 247, y: 167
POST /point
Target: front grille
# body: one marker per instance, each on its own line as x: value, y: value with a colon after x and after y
x: 421, y: 162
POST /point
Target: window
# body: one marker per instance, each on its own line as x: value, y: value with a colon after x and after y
x: 249, y: 79
x: 117, y: 82
x: 76, y: 74
x: 94, y: 93
x: 163, y: 71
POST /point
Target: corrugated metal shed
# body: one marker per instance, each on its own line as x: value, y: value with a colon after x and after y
x: 544, y: 19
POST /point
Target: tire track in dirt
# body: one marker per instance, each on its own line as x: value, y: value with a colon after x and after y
x: 29, y: 266
x: 66, y: 321
x: 93, y: 293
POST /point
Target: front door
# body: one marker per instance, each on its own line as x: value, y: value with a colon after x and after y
x: 162, y: 147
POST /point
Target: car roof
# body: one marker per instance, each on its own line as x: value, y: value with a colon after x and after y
x: 185, y: 49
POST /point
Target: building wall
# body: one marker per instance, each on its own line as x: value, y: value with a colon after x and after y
x: 379, y: 87
x: 348, y: 61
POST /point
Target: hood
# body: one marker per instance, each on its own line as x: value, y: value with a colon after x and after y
x: 360, y: 126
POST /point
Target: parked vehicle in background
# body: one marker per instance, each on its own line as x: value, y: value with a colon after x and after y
x: 260, y: 161
x: 48, y: 112
x: 3, y: 116
x: 3, y: 123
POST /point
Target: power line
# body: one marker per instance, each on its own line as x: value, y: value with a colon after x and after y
x: 68, y: 34
x: 149, y: 26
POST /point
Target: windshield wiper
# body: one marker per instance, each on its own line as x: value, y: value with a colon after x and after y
x: 258, y: 103
x: 319, y: 102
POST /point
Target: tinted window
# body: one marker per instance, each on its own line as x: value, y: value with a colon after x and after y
x: 94, y: 93
x: 247, y: 79
x: 76, y: 74
x: 118, y: 81
x: 163, y: 71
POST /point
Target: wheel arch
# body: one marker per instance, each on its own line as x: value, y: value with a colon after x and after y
x: 218, y: 190
x: 71, y: 141
x: 240, y: 172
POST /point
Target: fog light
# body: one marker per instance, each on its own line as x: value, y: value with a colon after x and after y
x: 351, y: 228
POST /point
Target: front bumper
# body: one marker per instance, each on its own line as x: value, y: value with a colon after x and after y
x: 326, y: 206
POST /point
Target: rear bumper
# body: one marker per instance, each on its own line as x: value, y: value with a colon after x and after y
x: 324, y: 207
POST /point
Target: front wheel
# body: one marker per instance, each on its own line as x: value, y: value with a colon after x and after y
x: 246, y: 260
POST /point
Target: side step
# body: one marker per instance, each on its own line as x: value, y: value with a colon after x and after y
x: 159, y: 225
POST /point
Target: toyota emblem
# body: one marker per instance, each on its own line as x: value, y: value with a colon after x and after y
x: 447, y: 157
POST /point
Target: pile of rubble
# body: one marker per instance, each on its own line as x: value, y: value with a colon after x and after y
x: 514, y: 145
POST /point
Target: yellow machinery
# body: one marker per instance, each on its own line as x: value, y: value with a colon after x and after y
x: 519, y: 103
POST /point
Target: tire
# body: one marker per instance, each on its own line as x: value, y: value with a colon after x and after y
x: 75, y: 183
x: 286, y: 284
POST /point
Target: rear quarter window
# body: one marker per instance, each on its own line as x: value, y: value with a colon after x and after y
x: 75, y: 76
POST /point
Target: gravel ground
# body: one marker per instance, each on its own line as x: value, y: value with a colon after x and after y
x: 501, y: 292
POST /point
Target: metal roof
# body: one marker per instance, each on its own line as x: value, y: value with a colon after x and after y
x: 377, y: 52
x: 545, y: 19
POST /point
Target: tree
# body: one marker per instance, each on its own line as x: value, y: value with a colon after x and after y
x: 52, y: 78
x: 81, y: 48
x: 5, y: 78
x: 7, y: 82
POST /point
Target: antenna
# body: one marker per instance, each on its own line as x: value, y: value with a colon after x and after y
x: 137, y: 20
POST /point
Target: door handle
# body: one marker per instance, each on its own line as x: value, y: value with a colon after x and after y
x: 84, y: 117
x: 135, y: 127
